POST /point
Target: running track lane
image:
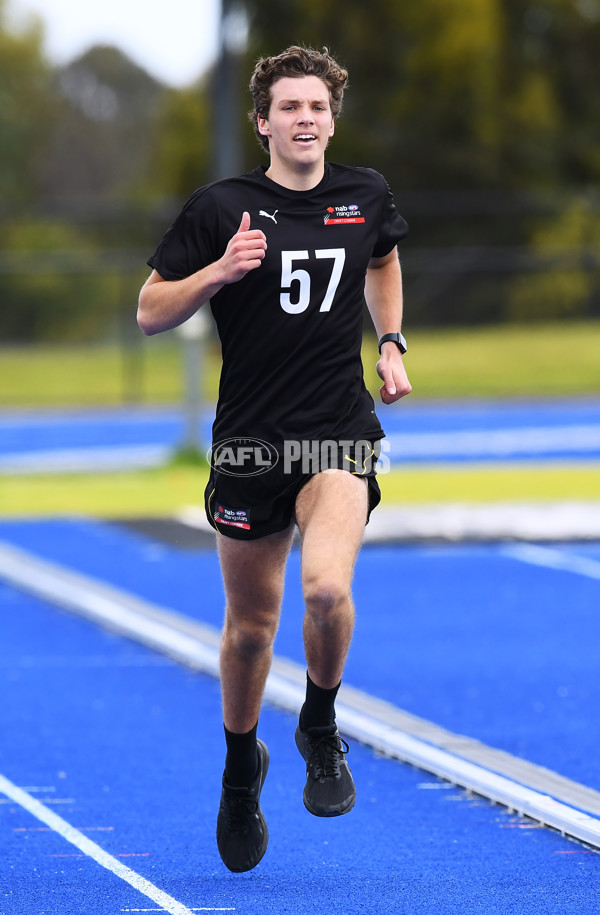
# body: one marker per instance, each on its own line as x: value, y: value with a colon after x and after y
x: 99, y: 729
x: 416, y: 433
x: 481, y: 642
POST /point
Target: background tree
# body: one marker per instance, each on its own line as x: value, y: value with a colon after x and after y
x: 75, y: 160
x: 484, y: 116
x: 457, y: 93
x: 26, y: 112
x: 104, y: 127
x: 181, y: 158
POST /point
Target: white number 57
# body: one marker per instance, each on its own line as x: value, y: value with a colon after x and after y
x: 302, y: 277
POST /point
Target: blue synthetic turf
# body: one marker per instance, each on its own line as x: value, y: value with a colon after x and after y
x: 133, y: 743
x: 25, y: 434
x: 465, y: 636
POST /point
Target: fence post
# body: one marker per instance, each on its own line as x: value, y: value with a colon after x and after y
x: 193, y: 333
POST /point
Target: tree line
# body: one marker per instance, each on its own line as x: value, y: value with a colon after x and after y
x: 484, y: 116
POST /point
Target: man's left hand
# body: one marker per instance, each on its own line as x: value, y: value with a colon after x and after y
x: 390, y: 369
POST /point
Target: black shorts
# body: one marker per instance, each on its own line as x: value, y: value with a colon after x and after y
x: 252, y: 488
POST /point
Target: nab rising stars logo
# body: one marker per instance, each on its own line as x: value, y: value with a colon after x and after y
x: 343, y: 216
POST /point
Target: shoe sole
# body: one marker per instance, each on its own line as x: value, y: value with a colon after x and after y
x: 336, y: 810
x: 266, y: 760
x: 325, y: 812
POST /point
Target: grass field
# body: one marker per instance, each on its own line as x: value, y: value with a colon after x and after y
x: 550, y: 360
x: 538, y: 361
x: 162, y: 492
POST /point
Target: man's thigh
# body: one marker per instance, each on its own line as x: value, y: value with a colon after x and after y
x: 331, y: 513
x: 254, y: 571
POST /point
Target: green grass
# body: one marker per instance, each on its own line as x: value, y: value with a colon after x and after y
x: 90, y: 375
x: 491, y: 483
x: 162, y: 492
x: 539, y: 361
x: 149, y: 493
x: 553, y: 360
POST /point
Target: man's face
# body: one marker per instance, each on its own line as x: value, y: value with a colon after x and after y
x: 299, y: 123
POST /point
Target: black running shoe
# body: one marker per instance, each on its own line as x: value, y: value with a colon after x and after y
x: 242, y: 834
x: 329, y: 790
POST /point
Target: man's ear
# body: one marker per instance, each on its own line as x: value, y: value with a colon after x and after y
x: 263, y: 126
x: 332, y: 128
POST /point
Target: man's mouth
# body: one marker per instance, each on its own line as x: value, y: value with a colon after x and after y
x: 305, y: 138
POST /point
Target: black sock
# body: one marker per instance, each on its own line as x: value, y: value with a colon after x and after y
x: 318, y: 710
x: 241, y: 762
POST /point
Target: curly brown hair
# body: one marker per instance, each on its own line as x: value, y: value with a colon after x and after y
x: 295, y: 61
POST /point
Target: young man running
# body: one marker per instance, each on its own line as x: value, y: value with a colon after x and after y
x: 287, y: 255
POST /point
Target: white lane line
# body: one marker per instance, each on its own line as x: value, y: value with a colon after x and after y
x: 537, y: 521
x: 84, y: 460
x: 47, y: 800
x: 519, y: 785
x: 551, y: 558
x: 47, y: 828
x: 89, y: 848
x: 549, y: 442
x: 33, y: 788
x: 524, y: 800
x: 102, y: 604
x: 542, y: 440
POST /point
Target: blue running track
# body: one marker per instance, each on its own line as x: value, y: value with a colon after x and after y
x: 126, y: 746
x: 416, y: 432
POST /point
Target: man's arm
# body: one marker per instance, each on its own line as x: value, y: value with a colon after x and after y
x: 165, y: 304
x: 383, y: 292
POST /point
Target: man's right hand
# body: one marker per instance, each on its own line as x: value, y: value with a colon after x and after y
x: 165, y: 304
x: 244, y: 252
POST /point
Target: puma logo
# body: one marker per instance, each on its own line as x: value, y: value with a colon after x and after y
x: 268, y: 215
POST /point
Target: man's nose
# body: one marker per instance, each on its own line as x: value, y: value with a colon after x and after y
x: 305, y: 116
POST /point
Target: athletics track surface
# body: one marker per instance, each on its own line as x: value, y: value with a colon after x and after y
x: 126, y: 745
x: 568, y: 430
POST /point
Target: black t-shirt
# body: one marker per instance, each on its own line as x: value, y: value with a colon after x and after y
x: 291, y: 330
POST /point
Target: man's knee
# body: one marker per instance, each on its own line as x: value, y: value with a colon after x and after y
x: 250, y: 636
x: 325, y: 597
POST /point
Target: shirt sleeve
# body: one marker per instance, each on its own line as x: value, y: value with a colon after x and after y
x: 393, y: 227
x: 188, y: 245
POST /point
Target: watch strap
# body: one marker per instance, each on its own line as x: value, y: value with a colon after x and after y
x: 398, y: 339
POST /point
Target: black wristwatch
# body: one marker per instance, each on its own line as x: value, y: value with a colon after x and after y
x: 398, y: 339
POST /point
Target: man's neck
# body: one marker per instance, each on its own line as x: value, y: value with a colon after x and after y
x: 296, y: 180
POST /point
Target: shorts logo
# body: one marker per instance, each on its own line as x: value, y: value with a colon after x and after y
x: 232, y: 517
x: 344, y: 215
x: 242, y: 457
